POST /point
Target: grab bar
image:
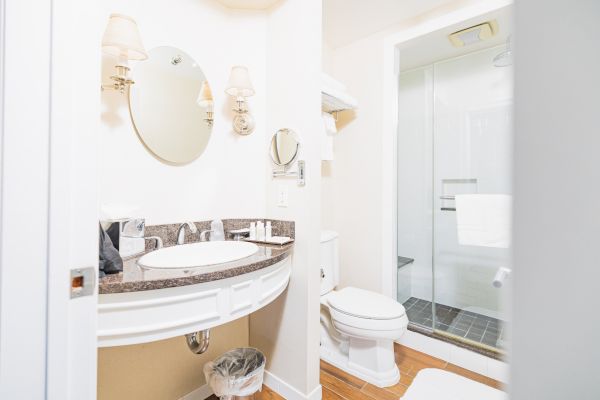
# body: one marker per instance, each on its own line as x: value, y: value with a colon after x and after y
x: 447, y: 197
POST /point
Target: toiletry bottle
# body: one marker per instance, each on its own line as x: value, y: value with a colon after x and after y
x: 218, y: 233
x: 260, y: 231
x: 252, y: 231
x: 268, y: 231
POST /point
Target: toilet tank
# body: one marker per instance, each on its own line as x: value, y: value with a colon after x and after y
x: 330, y: 265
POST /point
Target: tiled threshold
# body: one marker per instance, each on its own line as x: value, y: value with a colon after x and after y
x: 469, y: 330
x: 464, y: 343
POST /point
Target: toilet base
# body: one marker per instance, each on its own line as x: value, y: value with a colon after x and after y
x: 370, y: 360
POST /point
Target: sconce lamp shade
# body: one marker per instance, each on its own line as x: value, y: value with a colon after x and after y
x: 205, y: 98
x: 122, y: 38
x: 239, y: 82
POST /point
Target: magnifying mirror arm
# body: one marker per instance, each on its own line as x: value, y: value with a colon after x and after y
x: 300, y: 173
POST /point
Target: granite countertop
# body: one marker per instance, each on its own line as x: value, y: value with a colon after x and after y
x: 135, y: 279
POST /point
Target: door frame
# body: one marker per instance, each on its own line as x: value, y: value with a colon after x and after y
x: 389, y: 159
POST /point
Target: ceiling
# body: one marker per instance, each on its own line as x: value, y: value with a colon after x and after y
x: 345, y: 21
x: 436, y: 46
x: 248, y: 4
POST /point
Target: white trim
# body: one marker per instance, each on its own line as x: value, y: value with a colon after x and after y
x: 146, y: 316
x: 73, y: 212
x: 24, y: 191
x: 272, y: 381
x: 287, y: 391
x: 391, y: 56
x: 203, y: 392
x: 462, y: 357
x: 161, y: 301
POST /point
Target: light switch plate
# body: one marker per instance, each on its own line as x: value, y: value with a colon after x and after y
x: 282, y: 195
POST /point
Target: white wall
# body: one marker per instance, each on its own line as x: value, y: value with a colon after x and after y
x: 228, y: 179
x: 555, y: 352
x: 288, y: 329
x: 328, y: 208
x: 356, y: 169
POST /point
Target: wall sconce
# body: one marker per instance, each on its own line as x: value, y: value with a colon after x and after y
x: 122, y: 40
x: 240, y: 87
x: 205, y: 100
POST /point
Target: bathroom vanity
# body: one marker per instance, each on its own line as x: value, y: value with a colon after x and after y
x: 144, y: 304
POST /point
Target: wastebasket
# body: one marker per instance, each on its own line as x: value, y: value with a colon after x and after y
x: 237, y: 373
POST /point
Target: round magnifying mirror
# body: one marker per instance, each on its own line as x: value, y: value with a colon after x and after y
x: 285, y: 146
x: 171, y: 105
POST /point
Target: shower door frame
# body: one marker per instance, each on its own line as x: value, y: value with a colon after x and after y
x: 389, y: 161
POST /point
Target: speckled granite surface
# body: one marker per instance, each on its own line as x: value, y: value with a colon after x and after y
x: 134, y: 279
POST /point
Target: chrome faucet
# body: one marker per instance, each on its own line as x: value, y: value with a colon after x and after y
x: 181, y: 231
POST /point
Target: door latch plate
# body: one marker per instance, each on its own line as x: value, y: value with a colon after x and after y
x: 83, y: 282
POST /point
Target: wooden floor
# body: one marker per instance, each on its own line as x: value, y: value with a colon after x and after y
x: 339, y: 385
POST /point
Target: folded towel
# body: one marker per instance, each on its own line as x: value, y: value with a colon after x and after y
x: 484, y: 219
x: 110, y: 261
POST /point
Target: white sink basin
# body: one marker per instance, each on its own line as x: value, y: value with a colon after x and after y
x: 195, y: 255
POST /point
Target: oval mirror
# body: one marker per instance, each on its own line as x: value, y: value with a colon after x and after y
x: 285, y: 146
x: 170, y: 114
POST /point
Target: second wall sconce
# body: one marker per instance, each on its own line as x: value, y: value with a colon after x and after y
x: 122, y: 40
x: 240, y: 87
x: 205, y: 100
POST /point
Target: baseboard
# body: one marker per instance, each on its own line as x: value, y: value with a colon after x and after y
x: 276, y: 384
x: 287, y: 391
x: 201, y: 393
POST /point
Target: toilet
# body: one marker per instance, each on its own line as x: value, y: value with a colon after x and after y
x: 358, y: 327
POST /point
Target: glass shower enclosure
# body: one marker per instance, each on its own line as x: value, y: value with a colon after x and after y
x: 454, y: 187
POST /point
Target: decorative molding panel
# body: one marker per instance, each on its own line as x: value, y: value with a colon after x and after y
x: 147, y: 316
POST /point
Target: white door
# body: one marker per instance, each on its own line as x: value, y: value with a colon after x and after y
x: 49, y: 113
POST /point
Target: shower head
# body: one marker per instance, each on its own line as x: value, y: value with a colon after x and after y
x: 504, y: 59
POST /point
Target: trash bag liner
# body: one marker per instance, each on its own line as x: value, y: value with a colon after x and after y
x: 239, y: 372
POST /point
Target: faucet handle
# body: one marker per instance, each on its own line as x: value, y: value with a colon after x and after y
x: 203, y: 235
x: 158, y: 243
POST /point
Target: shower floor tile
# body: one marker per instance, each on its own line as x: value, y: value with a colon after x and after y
x: 469, y: 325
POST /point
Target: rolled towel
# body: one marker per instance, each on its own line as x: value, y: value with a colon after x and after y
x: 329, y: 129
x: 110, y: 261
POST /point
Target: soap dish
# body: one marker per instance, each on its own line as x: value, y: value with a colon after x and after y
x: 280, y: 240
x: 239, y: 234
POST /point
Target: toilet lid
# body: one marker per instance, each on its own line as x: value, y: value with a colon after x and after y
x: 365, y: 304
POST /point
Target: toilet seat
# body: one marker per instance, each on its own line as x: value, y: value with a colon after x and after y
x: 364, y: 314
x: 362, y: 303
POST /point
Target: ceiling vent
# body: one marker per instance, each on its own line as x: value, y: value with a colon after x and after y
x: 474, y: 34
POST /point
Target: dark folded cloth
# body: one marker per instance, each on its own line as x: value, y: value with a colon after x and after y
x: 110, y: 261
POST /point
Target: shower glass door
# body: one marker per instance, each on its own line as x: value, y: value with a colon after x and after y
x: 455, y: 139
x: 472, y: 146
